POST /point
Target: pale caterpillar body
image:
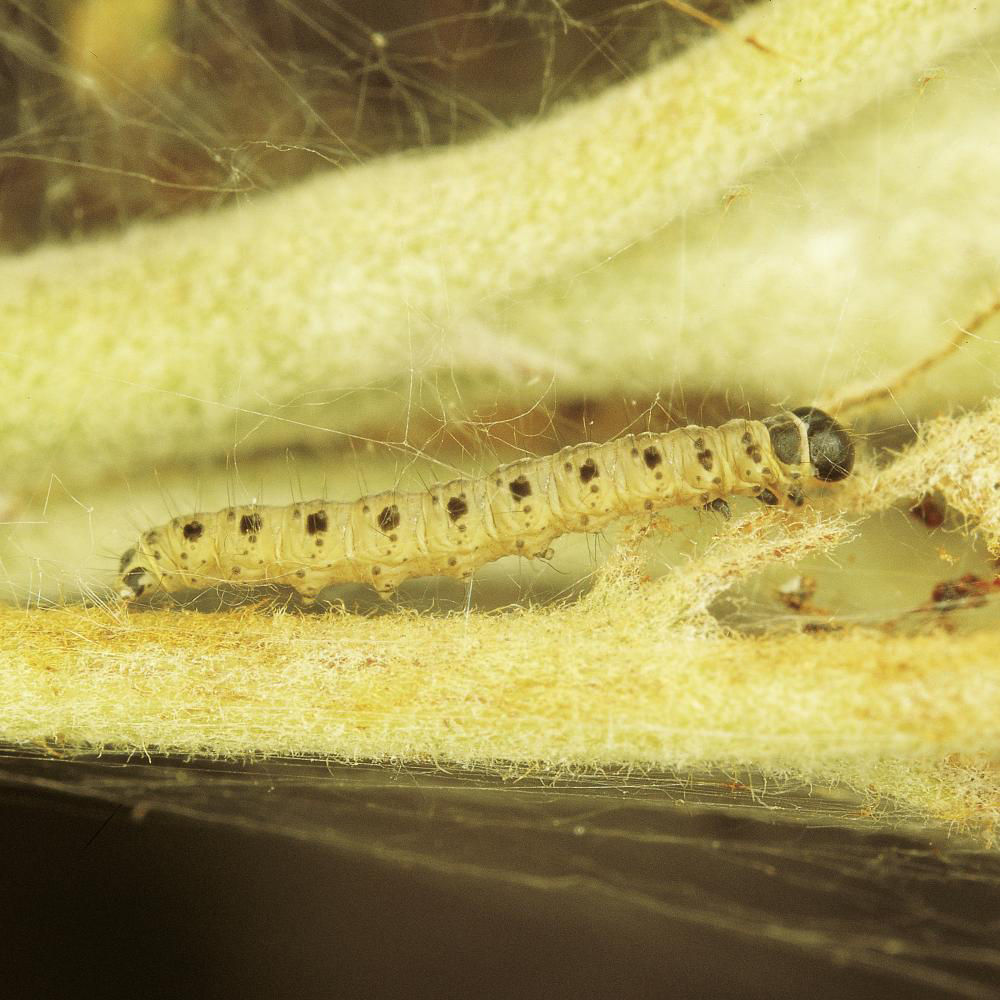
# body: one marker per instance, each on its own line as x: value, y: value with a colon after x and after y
x: 450, y: 529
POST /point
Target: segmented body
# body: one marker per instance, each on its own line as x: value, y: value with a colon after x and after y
x: 452, y: 528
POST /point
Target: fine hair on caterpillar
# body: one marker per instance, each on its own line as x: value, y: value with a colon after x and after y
x: 450, y: 529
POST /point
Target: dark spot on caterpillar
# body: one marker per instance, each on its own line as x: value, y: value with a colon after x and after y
x: 388, y: 518
x: 319, y: 543
x: 156, y: 555
x: 594, y: 487
x: 767, y: 497
x: 300, y: 573
x: 376, y: 570
x: 462, y: 527
x: 705, y: 457
x: 584, y: 519
x: 648, y: 505
x: 796, y: 497
x: 152, y: 536
x: 699, y: 443
x: 452, y: 561
x: 193, y: 530
x: 520, y: 488
x: 236, y: 571
x: 366, y: 509
x: 635, y: 452
x: 394, y: 537
x: 588, y: 470
x: 659, y: 475
x: 719, y: 506
x: 125, y: 559
x: 652, y: 457
x: 250, y: 524
x: 231, y: 515
x: 520, y: 543
x: 316, y: 522
x: 184, y: 555
x: 568, y: 466
x: 747, y: 437
x: 296, y: 512
x: 527, y: 508
x: 753, y: 452
x: 435, y: 499
x: 457, y: 508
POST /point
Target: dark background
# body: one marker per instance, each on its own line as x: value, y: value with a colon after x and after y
x: 296, y: 880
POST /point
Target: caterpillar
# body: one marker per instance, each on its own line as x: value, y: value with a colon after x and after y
x: 452, y: 528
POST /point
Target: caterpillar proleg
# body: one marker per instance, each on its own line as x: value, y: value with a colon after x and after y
x: 452, y: 528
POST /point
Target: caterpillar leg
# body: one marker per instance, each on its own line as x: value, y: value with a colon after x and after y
x: 719, y: 506
x: 792, y: 498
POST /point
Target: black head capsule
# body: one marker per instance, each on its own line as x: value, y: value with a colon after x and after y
x: 134, y: 578
x: 831, y: 450
x: 135, y: 583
